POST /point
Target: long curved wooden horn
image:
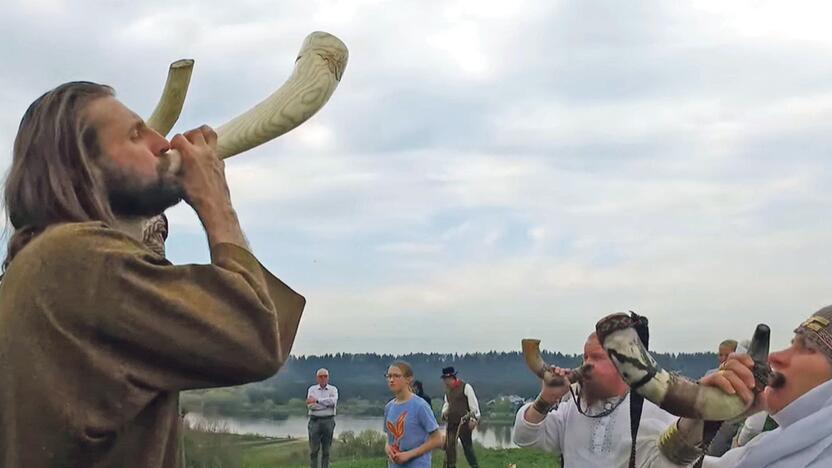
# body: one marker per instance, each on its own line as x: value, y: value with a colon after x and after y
x: 534, y: 360
x: 167, y: 111
x: 319, y: 66
x: 674, y: 393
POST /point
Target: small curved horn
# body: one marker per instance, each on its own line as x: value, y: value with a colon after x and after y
x: 674, y: 393
x: 173, y: 97
x: 534, y: 360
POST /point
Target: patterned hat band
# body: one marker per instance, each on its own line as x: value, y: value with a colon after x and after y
x: 816, y: 329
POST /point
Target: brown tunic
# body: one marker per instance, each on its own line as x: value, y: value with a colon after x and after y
x: 98, y: 335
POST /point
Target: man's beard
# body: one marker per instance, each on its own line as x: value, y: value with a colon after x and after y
x: 594, y: 390
x: 130, y: 197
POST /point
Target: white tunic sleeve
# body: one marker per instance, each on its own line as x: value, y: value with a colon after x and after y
x: 545, y: 435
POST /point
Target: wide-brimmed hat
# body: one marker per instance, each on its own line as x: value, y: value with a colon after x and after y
x: 448, y: 372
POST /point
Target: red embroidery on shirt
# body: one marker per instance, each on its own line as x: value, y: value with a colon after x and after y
x: 397, y: 431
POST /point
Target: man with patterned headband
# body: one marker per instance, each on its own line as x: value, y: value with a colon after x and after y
x: 798, y: 398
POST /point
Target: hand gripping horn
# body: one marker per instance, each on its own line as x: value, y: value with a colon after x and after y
x: 533, y: 358
x: 674, y: 393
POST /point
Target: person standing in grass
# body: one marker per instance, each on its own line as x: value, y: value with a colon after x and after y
x: 321, y: 400
x: 409, y: 424
x: 462, y: 412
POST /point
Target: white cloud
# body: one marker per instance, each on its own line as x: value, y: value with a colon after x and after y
x: 525, y: 166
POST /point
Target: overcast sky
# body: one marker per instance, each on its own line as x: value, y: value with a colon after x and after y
x: 491, y: 170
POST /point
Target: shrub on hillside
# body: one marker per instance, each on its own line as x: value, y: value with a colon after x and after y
x: 368, y: 443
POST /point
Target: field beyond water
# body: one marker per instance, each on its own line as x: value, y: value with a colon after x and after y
x: 208, y: 448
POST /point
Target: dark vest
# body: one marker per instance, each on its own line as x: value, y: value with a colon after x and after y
x: 457, y: 403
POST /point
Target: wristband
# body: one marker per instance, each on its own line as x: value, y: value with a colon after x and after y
x: 542, y: 406
x: 674, y: 447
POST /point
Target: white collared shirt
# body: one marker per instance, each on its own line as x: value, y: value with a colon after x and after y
x: 327, y: 400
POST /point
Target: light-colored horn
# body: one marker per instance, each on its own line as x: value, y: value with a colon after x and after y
x: 534, y: 360
x: 173, y: 97
x: 674, y: 393
x: 319, y: 67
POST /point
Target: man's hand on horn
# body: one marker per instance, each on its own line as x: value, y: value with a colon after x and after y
x: 203, y: 172
x: 553, y: 390
x: 734, y: 377
x: 206, y: 189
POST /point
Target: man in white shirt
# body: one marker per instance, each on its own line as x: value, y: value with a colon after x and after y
x: 591, y: 429
x: 321, y: 399
x: 462, y: 411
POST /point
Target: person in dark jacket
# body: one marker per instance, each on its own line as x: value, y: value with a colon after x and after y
x: 419, y: 390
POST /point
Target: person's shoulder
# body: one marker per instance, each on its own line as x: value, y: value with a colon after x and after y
x: 80, y: 238
x: 69, y: 231
x: 68, y: 244
x: 763, y: 438
x: 332, y: 387
x: 311, y: 387
x: 82, y: 253
x: 419, y: 401
x: 390, y: 405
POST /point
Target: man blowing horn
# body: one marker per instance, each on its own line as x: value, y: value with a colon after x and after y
x: 593, y: 427
x: 99, y: 334
x: 798, y: 397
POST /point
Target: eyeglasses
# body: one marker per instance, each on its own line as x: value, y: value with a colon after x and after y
x: 393, y: 376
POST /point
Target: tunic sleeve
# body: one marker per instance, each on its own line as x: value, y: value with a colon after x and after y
x: 171, y: 327
x: 545, y: 435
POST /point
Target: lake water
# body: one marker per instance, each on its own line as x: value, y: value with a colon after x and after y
x: 489, y: 435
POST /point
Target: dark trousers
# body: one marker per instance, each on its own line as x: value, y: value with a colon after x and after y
x: 320, y: 440
x: 467, y: 445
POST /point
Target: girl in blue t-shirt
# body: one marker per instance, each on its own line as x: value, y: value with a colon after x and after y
x: 411, y: 428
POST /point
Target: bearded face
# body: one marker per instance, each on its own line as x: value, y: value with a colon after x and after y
x: 134, y: 196
x: 132, y: 161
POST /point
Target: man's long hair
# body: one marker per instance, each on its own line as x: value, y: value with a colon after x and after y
x: 53, y: 177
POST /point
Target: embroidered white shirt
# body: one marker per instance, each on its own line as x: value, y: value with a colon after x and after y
x: 602, y: 442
